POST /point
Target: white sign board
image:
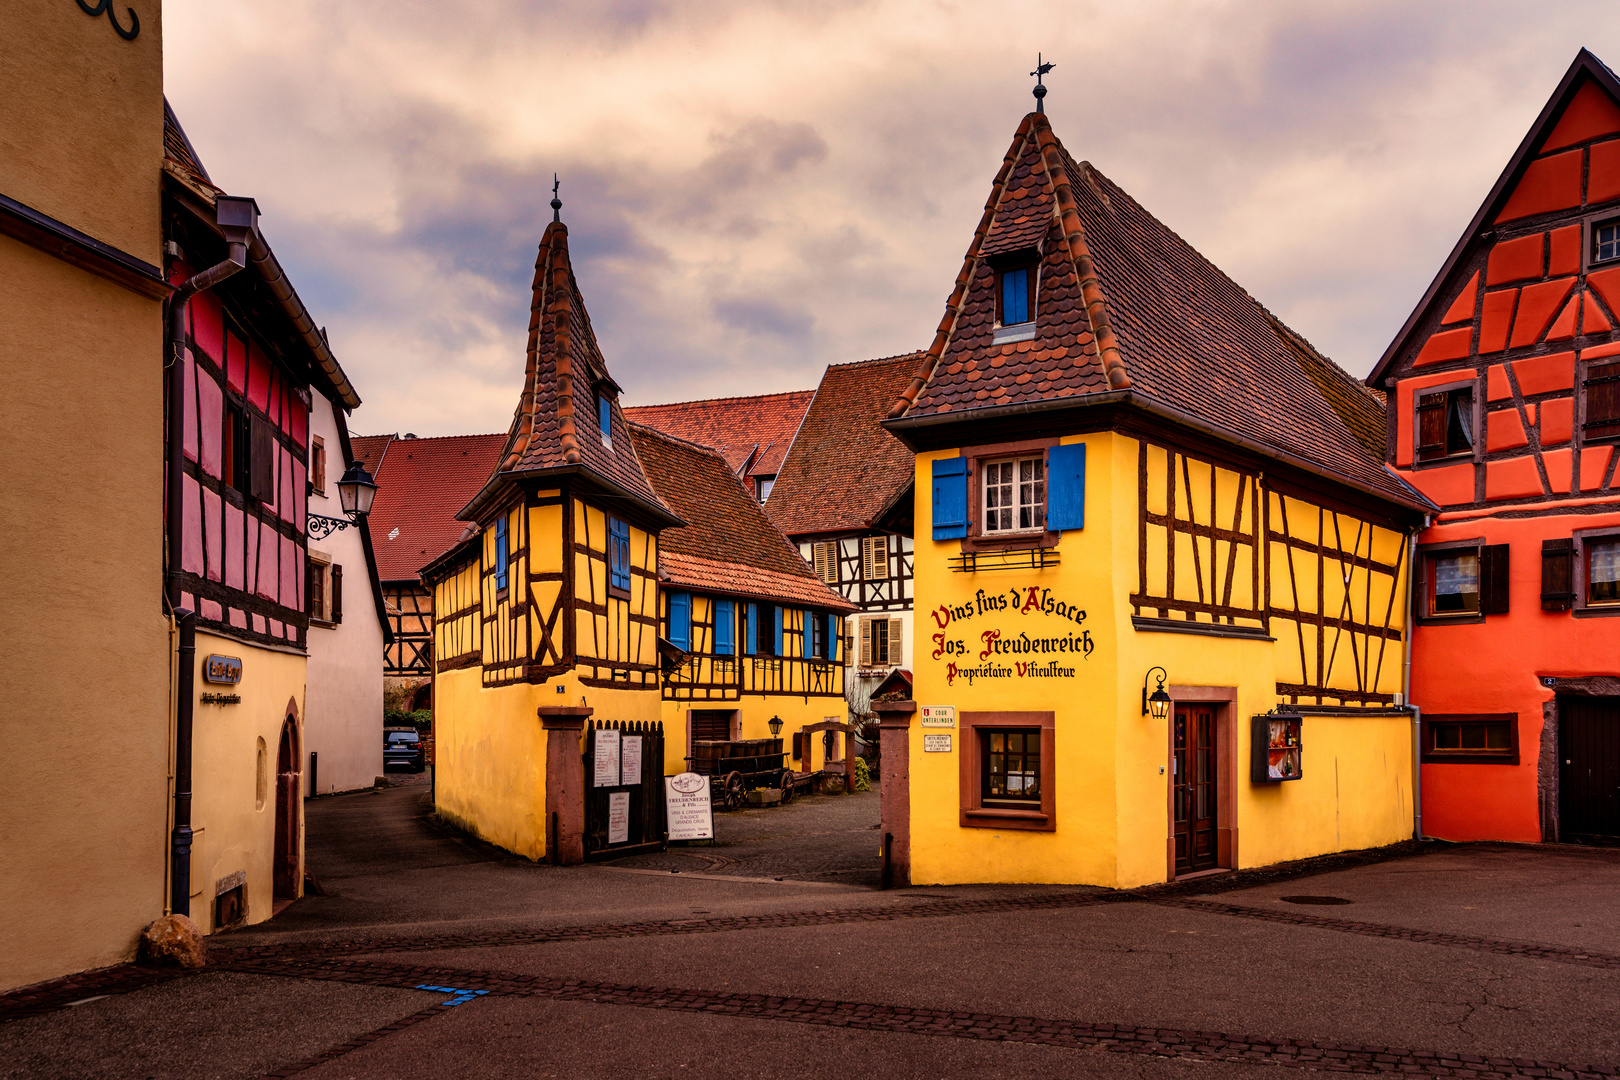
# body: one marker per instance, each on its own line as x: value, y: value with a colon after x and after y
x: 607, y: 759
x: 689, y: 814
x: 630, y: 760
x: 936, y: 744
x: 618, y: 817
x: 938, y: 716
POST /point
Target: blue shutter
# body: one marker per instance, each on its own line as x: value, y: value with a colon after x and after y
x: 680, y: 620
x: 619, y: 554
x: 950, y: 498
x: 724, y: 628
x: 753, y: 630
x: 808, y: 625
x: 1014, y: 297
x: 830, y: 641
x: 776, y: 621
x: 1066, y: 487
x: 604, y: 414
x: 500, y: 552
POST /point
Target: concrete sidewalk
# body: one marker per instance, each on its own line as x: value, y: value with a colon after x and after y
x: 1483, y: 960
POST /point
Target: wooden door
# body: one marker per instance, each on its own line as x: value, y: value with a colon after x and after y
x: 1589, y: 767
x: 288, y: 809
x: 1195, y: 795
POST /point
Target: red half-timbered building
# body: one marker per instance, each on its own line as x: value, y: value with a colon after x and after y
x: 1504, y: 408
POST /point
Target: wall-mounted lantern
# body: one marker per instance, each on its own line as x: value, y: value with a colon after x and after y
x: 1159, y: 702
x: 776, y: 726
x: 355, y: 494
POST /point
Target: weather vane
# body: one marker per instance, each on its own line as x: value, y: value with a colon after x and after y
x: 1040, y: 89
x: 556, y: 203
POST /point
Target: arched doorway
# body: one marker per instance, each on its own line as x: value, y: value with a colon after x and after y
x: 289, y: 809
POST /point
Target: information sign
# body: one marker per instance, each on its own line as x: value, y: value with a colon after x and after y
x: 630, y: 760
x: 607, y: 759
x: 687, y: 808
x: 938, y: 716
x: 936, y: 744
x: 618, y: 817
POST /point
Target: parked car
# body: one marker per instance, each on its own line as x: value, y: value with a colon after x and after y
x: 403, y: 748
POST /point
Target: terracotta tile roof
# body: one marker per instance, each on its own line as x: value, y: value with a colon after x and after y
x: 555, y: 426
x: 844, y: 469
x: 727, y: 545
x: 752, y: 432
x: 421, y: 485
x: 1126, y: 304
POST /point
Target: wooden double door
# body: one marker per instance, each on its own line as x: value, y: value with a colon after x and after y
x: 1589, y: 768
x: 1195, y: 796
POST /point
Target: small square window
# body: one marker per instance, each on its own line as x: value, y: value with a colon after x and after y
x: 317, y: 465
x: 1014, y: 495
x: 1454, y: 581
x: 1602, y: 570
x: 1445, y: 424
x: 1006, y: 770
x: 1012, y: 766
x: 1606, y: 241
x: 1471, y: 739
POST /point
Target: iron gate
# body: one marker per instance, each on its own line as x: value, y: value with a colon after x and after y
x: 630, y: 805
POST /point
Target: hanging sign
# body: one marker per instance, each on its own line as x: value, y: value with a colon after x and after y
x: 936, y: 744
x: 688, y: 811
x: 630, y: 760
x: 222, y: 669
x: 618, y: 817
x: 607, y: 759
x: 938, y: 716
x: 1015, y: 645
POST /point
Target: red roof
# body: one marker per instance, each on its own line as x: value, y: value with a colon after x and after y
x: 1126, y: 305
x: 727, y: 545
x: 421, y: 485
x: 751, y: 433
x: 844, y: 469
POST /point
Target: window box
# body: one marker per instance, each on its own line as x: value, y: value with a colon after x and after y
x: 1008, y: 771
x: 1471, y: 738
x: 1276, y: 749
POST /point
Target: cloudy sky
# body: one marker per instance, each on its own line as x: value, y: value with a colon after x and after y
x: 757, y: 189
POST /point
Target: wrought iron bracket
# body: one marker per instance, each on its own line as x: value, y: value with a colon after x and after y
x: 970, y: 562
x: 321, y: 526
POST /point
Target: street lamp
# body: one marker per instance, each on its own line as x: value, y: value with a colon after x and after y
x: 1159, y: 703
x: 776, y: 726
x: 355, y: 494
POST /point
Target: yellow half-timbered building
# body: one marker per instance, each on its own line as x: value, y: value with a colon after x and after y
x: 1161, y: 572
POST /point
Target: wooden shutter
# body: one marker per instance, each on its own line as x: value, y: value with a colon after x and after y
x: 778, y: 617
x: 1602, y: 401
x: 262, y: 462
x: 1066, y: 487
x: 725, y: 636
x: 337, y: 593
x: 875, y: 558
x: 1557, y: 577
x: 752, y: 630
x: 830, y: 639
x: 680, y: 620
x: 309, y: 587
x: 798, y: 745
x: 1422, y: 570
x: 866, y: 643
x: 818, y: 559
x: 1493, y: 579
x: 894, y: 642
x: 1430, y: 431
x: 950, y: 496
x: 807, y: 629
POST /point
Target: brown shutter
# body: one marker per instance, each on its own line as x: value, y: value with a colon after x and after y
x: 894, y: 643
x: 337, y: 593
x: 1602, y: 401
x: 1557, y: 579
x: 1493, y: 579
x: 866, y: 643
x: 309, y: 588
x: 1422, y: 568
x: 262, y: 462
x: 1430, y: 432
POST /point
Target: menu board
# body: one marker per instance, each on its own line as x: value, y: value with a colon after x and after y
x: 630, y: 760
x: 618, y: 817
x: 688, y: 811
x: 606, y: 773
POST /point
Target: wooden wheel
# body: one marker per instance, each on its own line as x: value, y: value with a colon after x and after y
x: 787, y: 786
x: 736, y: 791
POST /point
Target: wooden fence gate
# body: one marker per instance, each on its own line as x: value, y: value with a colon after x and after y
x: 624, y: 788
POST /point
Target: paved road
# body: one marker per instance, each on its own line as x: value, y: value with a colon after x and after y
x: 1487, y: 960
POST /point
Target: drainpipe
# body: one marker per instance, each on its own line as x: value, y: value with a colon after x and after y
x: 1406, y: 685
x: 237, y: 219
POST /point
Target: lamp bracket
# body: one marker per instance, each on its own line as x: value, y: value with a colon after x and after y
x: 321, y: 526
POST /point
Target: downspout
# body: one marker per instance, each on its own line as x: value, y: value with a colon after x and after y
x: 1406, y: 683
x: 237, y: 219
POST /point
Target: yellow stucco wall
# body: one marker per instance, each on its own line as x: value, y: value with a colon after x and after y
x: 489, y: 774
x: 233, y: 809
x: 1111, y: 772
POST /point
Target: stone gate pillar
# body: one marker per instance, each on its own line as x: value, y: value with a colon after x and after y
x: 565, y: 783
x: 894, y: 725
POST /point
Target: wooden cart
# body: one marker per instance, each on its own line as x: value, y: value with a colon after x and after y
x: 737, y: 766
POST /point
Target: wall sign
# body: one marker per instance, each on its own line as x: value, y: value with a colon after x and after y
x: 630, y: 760
x: 688, y: 812
x: 938, y: 716
x: 934, y: 743
x: 1020, y: 643
x: 222, y: 669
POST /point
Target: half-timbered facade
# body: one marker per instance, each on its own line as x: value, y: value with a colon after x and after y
x: 1133, y: 481
x: 1503, y: 409
x: 844, y: 497
x: 750, y: 634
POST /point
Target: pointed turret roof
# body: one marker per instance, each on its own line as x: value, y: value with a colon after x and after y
x: 1129, y: 313
x: 554, y: 429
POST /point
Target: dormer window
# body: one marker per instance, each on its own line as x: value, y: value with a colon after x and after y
x: 1017, y: 278
x: 1016, y: 301
x: 604, y: 418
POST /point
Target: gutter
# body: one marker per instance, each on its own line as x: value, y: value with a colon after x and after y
x: 264, y: 262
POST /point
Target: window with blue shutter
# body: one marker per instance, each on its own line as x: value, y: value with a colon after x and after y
x: 752, y: 630
x: 604, y: 416
x: 777, y: 615
x: 500, y: 552
x: 807, y: 626
x: 1066, y: 487
x: 618, y: 554
x: 680, y: 620
x: 835, y: 631
x: 725, y: 632
x: 1015, y: 296
x: 950, y: 498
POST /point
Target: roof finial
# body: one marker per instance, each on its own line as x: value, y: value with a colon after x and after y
x: 1040, y: 89
x: 556, y: 203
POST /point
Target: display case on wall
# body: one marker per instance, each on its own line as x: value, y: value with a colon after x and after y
x: 1276, y: 748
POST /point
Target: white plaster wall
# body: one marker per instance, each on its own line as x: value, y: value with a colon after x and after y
x: 343, y: 723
